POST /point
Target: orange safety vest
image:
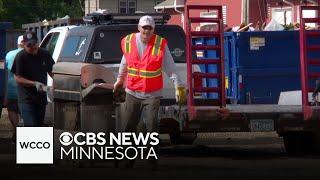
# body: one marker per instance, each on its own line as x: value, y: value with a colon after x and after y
x: 144, y: 73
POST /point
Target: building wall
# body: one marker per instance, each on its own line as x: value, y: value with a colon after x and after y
x: 91, y: 5
x: 261, y: 10
x: 175, y: 17
x: 234, y: 9
x: 112, y: 6
x: 146, y: 5
x: 258, y: 11
x: 295, y: 8
x: 233, y: 16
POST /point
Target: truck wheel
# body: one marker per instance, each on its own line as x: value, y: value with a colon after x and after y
x: 298, y: 143
x: 174, y: 137
x: 316, y: 143
x: 186, y: 138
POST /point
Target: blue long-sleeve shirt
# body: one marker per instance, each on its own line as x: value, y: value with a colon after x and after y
x: 168, y: 67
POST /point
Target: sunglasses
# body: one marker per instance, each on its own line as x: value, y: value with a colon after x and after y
x: 147, y: 28
x: 30, y: 45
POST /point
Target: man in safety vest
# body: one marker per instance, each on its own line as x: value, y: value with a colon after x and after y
x: 145, y: 56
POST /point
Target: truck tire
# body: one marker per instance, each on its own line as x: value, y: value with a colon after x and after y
x: 298, y: 143
x: 186, y: 138
x: 316, y: 143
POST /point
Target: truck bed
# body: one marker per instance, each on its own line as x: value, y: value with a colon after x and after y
x: 248, y: 117
x: 256, y: 108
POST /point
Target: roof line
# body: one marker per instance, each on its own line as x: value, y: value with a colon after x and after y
x: 168, y: 7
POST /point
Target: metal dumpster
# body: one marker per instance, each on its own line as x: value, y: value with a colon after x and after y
x: 262, y: 64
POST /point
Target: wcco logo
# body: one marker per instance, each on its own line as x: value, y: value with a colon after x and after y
x: 34, y: 145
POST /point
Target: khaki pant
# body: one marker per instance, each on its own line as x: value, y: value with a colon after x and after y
x: 134, y: 108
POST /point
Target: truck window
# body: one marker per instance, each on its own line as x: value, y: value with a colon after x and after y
x: 106, y: 44
x: 74, y: 46
x: 50, y: 42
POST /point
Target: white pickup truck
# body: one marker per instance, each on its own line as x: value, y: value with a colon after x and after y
x: 101, y: 45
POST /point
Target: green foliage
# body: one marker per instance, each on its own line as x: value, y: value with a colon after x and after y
x: 27, y: 11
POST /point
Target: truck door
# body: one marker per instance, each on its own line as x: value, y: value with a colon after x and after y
x: 50, y: 43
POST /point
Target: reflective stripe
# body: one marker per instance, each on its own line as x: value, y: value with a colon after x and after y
x: 160, y: 46
x: 151, y: 74
x: 133, y: 72
x: 143, y: 73
x: 128, y: 43
x: 156, y: 46
x: 134, y: 69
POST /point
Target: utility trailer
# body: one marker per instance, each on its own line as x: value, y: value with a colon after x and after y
x: 299, y: 125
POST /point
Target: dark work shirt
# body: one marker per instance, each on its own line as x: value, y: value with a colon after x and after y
x: 34, y: 68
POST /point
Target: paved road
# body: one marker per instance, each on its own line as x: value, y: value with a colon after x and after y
x: 213, y: 156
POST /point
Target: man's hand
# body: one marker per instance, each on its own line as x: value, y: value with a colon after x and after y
x: 40, y: 86
x: 119, y: 93
x: 118, y: 85
x: 181, y: 95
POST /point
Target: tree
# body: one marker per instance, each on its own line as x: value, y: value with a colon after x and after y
x: 25, y: 11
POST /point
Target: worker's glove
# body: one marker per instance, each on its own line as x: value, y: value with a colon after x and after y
x: 181, y: 96
x: 40, y: 86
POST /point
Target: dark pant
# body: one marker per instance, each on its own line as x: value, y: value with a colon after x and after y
x: 32, y: 114
x: 12, y: 105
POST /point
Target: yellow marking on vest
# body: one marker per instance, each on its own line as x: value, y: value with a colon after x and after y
x: 144, y: 73
x: 128, y: 43
x: 161, y: 41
